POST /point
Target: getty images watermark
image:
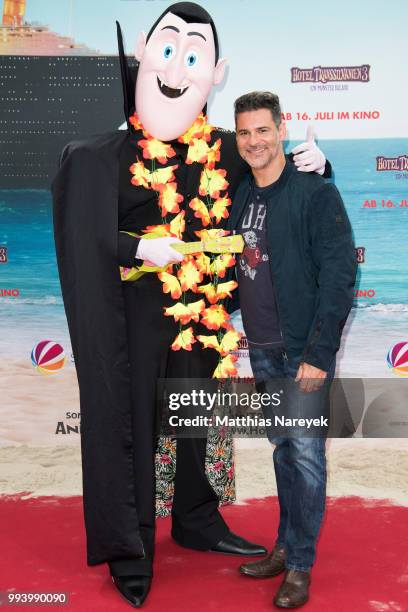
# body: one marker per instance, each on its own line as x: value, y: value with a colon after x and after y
x: 200, y: 399
x: 190, y: 407
x: 347, y: 407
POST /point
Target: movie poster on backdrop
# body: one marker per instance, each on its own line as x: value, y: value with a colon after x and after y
x: 60, y: 81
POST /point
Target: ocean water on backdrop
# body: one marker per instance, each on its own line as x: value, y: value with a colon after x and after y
x: 377, y: 322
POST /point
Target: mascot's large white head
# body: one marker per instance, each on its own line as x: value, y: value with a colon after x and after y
x: 178, y: 66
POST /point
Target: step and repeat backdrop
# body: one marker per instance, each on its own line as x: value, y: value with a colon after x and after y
x: 341, y: 68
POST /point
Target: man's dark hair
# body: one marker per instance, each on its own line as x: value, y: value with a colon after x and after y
x: 190, y: 13
x: 255, y: 100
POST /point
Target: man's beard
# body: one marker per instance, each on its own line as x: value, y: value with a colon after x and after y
x: 262, y: 163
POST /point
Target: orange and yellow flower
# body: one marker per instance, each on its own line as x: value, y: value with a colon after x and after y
x: 184, y: 340
x: 215, y: 317
x: 140, y: 176
x: 213, y: 293
x: 170, y: 284
x: 189, y: 275
x: 228, y: 343
x: 199, y: 129
x: 169, y: 199
x: 161, y: 176
x: 213, y: 154
x: 159, y: 231
x: 135, y: 121
x: 203, y: 263
x: 212, y: 182
x: 178, y: 225
x: 156, y: 149
x: 197, y: 152
x: 221, y: 263
x: 201, y: 211
x: 186, y: 312
x: 226, y: 367
x: 219, y: 209
x: 206, y: 131
x: 210, y: 342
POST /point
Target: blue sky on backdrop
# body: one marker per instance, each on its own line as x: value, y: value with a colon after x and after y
x: 262, y: 39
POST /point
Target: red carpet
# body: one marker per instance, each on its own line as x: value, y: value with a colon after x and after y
x: 362, y: 560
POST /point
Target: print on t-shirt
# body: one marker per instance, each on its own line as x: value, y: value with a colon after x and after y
x: 253, y: 232
x: 256, y: 294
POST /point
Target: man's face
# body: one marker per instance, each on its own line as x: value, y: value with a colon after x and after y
x: 259, y: 141
x: 176, y: 73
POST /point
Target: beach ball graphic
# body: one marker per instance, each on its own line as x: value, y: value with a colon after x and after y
x: 397, y: 358
x: 48, y: 357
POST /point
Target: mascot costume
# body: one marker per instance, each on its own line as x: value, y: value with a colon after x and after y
x: 142, y: 305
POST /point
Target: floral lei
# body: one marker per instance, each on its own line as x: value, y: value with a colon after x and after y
x: 210, y: 208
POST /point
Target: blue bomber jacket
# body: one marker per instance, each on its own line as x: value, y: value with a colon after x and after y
x: 312, y: 261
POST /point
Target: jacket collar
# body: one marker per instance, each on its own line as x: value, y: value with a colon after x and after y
x: 277, y: 185
x: 244, y: 191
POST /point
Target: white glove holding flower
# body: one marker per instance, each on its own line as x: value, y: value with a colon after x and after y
x: 307, y: 156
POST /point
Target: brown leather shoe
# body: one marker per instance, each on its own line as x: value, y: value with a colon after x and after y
x: 294, y: 590
x: 271, y: 565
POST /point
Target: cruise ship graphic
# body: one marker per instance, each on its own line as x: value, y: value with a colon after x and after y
x: 52, y: 90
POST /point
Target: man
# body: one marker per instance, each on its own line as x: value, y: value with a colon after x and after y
x: 295, y: 278
x: 121, y: 340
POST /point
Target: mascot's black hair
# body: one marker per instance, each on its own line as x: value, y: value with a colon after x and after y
x: 190, y: 13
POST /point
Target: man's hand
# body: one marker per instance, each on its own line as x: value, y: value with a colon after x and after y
x: 309, y: 377
x: 158, y: 251
x: 307, y: 156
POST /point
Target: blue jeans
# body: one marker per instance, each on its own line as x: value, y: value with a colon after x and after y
x: 300, y: 462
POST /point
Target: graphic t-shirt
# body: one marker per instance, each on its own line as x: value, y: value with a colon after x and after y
x: 256, y: 294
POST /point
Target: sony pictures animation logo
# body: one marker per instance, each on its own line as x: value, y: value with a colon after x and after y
x: 397, y: 359
x: 48, y: 357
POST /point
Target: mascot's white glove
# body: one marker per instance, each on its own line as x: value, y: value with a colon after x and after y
x: 158, y: 252
x: 307, y: 156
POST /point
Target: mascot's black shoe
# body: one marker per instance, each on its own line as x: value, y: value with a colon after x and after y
x: 133, y: 588
x: 233, y: 544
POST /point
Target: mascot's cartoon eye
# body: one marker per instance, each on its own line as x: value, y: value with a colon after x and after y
x: 191, y: 59
x: 168, y: 51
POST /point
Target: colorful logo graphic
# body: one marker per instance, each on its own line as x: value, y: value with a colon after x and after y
x: 397, y: 359
x: 48, y: 357
x: 326, y: 74
x: 390, y: 164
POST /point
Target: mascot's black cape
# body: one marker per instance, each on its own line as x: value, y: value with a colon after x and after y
x: 89, y: 248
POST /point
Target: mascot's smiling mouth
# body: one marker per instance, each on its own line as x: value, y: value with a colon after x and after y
x: 170, y: 92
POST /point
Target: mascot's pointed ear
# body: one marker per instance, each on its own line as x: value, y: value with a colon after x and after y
x: 140, y: 46
x: 219, y: 71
